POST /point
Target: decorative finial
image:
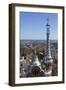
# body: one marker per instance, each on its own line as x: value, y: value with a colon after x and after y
x: 47, y: 22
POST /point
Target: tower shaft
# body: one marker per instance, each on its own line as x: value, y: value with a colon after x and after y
x: 48, y: 58
x: 48, y: 42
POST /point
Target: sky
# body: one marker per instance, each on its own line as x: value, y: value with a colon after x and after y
x: 33, y: 25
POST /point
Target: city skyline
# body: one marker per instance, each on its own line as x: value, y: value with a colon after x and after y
x: 33, y: 25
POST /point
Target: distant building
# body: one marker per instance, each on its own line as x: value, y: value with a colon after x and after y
x: 54, y: 51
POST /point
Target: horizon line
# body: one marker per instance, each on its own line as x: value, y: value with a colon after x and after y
x: 37, y: 39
